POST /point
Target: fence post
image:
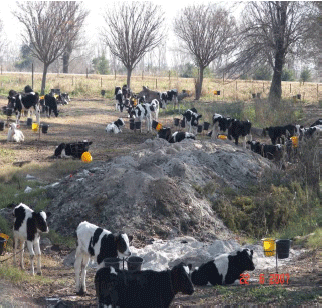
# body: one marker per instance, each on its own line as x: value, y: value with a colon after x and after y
x: 72, y: 80
x: 101, y: 82
x: 290, y: 88
x: 86, y: 72
x: 32, y: 75
x: 115, y: 74
x: 156, y: 83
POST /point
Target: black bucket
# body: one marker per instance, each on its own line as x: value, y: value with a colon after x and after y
x: 199, y: 128
x: 154, y: 124
x: 254, y: 95
x: 29, y: 121
x: 138, y: 125
x: 44, y: 128
x: 283, y: 248
x: 115, y: 262
x: 183, y: 123
x: 4, y: 110
x: 2, y: 242
x: 176, y: 121
x: 134, y: 263
x: 1, y: 125
x: 132, y: 125
x: 206, y: 125
x: 9, y: 112
x: 298, y: 96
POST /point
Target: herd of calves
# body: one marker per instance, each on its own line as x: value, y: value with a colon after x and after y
x: 125, y: 288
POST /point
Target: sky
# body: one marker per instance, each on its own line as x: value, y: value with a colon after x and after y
x: 94, y: 22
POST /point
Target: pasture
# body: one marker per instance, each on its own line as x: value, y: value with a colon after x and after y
x: 85, y: 118
x: 230, y: 90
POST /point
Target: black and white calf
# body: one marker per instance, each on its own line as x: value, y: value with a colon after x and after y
x: 163, y: 99
x: 165, y: 133
x: 155, y: 108
x: 63, y: 98
x: 115, y: 127
x: 144, y: 289
x: 98, y: 244
x: 224, y: 269
x: 220, y: 125
x: 26, y: 102
x: 172, y: 96
x: 276, y: 133
x: 50, y: 105
x: 317, y: 122
x: 269, y: 151
x: 192, y: 117
x: 72, y: 150
x: 239, y: 129
x: 143, y: 112
x: 27, y: 227
x: 119, y: 105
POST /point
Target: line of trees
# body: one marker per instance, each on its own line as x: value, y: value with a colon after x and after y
x: 270, y: 33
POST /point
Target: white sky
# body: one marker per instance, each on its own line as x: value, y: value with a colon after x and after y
x: 93, y: 23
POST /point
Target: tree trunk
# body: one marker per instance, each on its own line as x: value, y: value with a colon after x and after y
x: 66, y: 56
x: 128, y: 80
x: 199, y: 83
x: 43, y: 81
x: 275, y: 92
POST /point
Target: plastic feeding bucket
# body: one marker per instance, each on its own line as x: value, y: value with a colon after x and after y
x: 269, y: 246
x: 44, y: 128
x: 9, y: 112
x: 3, y: 242
x: 114, y: 262
x: 222, y: 137
x: 206, y: 125
x: 34, y: 127
x: 295, y: 141
x: 134, y: 263
x: 154, y: 124
x: 29, y: 121
x: 199, y: 128
x: 283, y: 248
x: 176, y: 121
x: 138, y: 125
x: 1, y: 125
x: 183, y: 123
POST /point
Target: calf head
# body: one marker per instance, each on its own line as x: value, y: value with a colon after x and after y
x: 122, y: 242
x: 180, y: 277
x: 245, y: 259
x: 40, y: 219
x: 165, y: 133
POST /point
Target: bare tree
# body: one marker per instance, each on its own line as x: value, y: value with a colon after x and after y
x: 78, y: 15
x: 270, y: 30
x: 49, y: 26
x: 133, y: 32
x: 206, y: 32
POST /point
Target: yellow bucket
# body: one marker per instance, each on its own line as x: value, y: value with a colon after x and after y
x: 223, y: 137
x: 295, y: 141
x: 269, y: 246
x: 159, y: 126
x: 6, y: 237
x: 34, y: 127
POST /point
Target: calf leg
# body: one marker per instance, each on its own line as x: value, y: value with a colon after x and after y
x: 32, y: 255
x: 38, y: 254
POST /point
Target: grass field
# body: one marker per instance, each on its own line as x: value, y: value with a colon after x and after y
x: 230, y: 90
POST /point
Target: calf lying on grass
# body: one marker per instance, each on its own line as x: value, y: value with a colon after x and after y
x: 224, y: 269
x: 165, y: 133
x: 144, y: 289
x: 115, y: 127
x: 72, y: 150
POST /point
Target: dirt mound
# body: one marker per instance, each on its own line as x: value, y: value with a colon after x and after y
x: 161, y: 190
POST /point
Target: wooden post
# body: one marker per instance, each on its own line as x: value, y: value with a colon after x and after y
x: 32, y: 75
x: 169, y: 79
x: 156, y: 83
x: 223, y: 78
x: 290, y: 88
x: 86, y: 72
x: 1, y: 69
x: 263, y: 87
x: 101, y: 82
x: 317, y: 92
x: 72, y: 80
x: 142, y: 75
x: 115, y: 74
